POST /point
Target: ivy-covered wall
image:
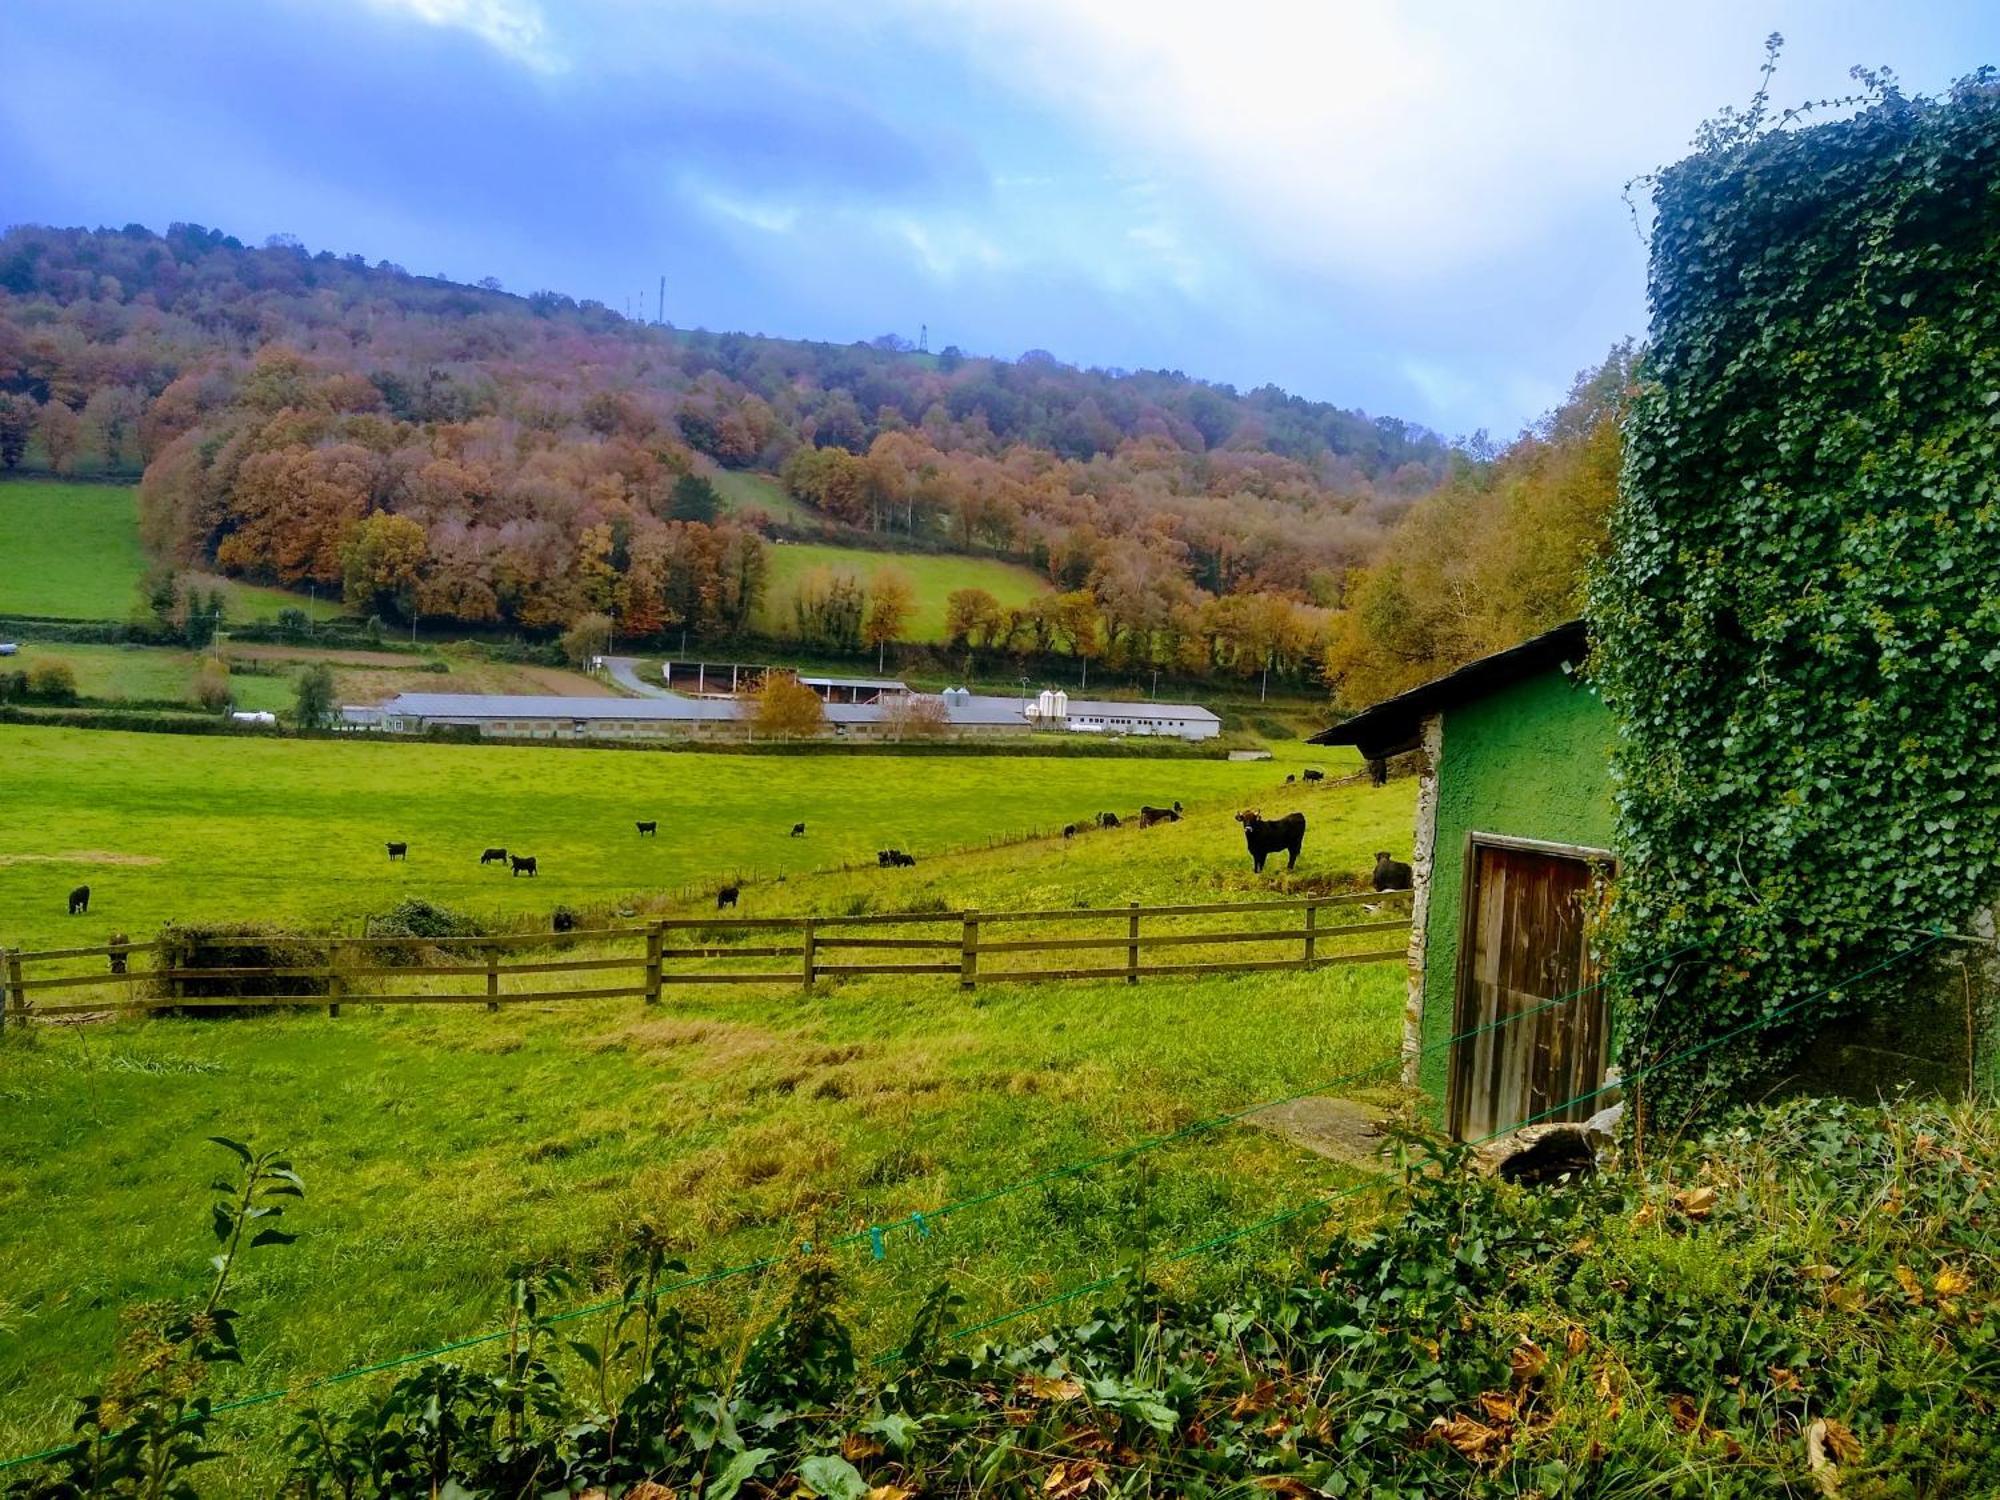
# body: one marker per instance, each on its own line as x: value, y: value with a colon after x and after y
x: 1531, y: 761
x: 1798, y: 626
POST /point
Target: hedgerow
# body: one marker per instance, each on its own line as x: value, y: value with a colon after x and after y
x: 1798, y: 623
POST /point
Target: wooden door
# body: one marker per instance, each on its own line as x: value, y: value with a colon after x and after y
x: 1524, y: 945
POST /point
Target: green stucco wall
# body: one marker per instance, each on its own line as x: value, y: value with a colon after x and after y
x: 1531, y: 761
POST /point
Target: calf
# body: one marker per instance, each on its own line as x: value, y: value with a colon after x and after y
x: 494, y: 857
x: 1289, y: 780
x: 1266, y: 836
x: 1391, y: 874
x: 726, y: 897
x: 1069, y: 830
x: 79, y: 901
x: 648, y: 829
x: 1315, y: 775
x: 1107, y: 820
x: 524, y: 864
x: 562, y: 919
x: 1148, y: 816
x: 798, y: 830
x: 882, y: 857
x: 399, y: 851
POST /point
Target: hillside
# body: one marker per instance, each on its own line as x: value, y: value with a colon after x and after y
x: 482, y: 459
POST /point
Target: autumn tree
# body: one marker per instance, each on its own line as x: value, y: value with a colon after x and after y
x: 587, y: 636
x: 61, y: 434
x: 891, y: 602
x: 211, y: 685
x: 383, y: 564
x: 916, y: 716
x: 972, y: 615
x: 787, y: 709
x: 17, y: 422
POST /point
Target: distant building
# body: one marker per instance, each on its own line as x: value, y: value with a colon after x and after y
x: 504, y: 716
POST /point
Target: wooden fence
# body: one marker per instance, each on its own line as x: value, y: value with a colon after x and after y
x: 974, y: 946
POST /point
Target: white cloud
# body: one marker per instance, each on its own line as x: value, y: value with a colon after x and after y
x: 514, y: 28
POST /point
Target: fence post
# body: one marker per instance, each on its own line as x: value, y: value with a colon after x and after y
x: 11, y: 992
x: 335, y: 985
x: 654, y: 935
x: 1312, y: 921
x: 811, y: 953
x: 1132, y: 952
x: 492, y: 978
x: 968, y: 951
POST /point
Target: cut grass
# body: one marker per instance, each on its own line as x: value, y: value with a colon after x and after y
x: 152, y: 674
x: 439, y: 1147
x: 71, y: 551
x: 739, y: 490
x: 933, y: 578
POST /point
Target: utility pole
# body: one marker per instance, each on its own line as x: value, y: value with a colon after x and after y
x: 660, y: 313
x: 923, y: 338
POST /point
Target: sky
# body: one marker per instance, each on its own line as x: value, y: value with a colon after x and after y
x: 1414, y: 209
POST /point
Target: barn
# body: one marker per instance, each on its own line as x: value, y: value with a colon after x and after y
x: 1513, y: 848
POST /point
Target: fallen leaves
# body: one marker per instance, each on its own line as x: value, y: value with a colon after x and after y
x: 1830, y: 1447
x: 1474, y: 1439
x: 1070, y: 1478
x: 1051, y: 1388
x: 1527, y: 1361
x: 1695, y: 1203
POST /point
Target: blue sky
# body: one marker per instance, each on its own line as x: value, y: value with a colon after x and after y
x: 1412, y: 208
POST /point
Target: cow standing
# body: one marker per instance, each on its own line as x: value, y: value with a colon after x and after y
x: 79, y: 901
x: 522, y: 864
x: 1266, y: 836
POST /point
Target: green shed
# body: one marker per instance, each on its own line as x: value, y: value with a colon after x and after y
x: 1513, y: 849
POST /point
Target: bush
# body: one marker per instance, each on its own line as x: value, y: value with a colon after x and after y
x: 312, y: 705
x: 211, y: 685
x: 51, y: 682
x: 240, y: 946
x: 414, y: 917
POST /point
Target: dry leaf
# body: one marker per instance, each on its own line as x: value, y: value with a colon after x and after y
x: 1576, y: 1341
x: 647, y: 1489
x: 1048, y: 1388
x: 890, y: 1492
x: 1498, y: 1406
x: 1847, y: 1298
x: 1696, y: 1203
x: 1527, y: 1361
x: 1069, y: 1480
x: 1475, y: 1440
x: 855, y: 1447
x: 1645, y: 1216
x: 1951, y: 1283
x: 1907, y: 1280
x: 1784, y: 1380
x: 1252, y: 1402
x: 1820, y: 1273
x: 1841, y: 1442
x: 1284, y: 1484
x: 1686, y: 1414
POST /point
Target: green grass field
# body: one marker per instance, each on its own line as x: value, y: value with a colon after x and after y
x: 218, y: 828
x: 742, y: 491
x: 440, y: 1146
x: 150, y: 673
x: 934, y: 578
x: 71, y: 551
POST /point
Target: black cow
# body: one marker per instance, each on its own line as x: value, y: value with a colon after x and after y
x: 1148, y: 816
x: 798, y: 830
x: 1266, y: 836
x: 901, y: 860
x: 1391, y: 874
x: 1107, y: 820
x: 562, y: 919
x: 727, y: 896
x: 882, y: 857
x: 1315, y: 775
x: 523, y: 864
x: 1069, y: 830
x: 648, y: 829
x: 79, y: 901
x: 119, y: 958
x: 1290, y: 779
x: 494, y: 857
x: 399, y: 851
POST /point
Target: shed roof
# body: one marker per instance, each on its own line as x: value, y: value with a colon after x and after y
x: 883, y: 684
x: 1113, y: 708
x: 1396, y: 724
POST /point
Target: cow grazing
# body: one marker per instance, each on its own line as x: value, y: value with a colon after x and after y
x: 79, y: 901
x: 399, y: 851
x: 1069, y: 830
x: 726, y: 897
x: 899, y: 860
x: 798, y: 830
x: 648, y: 829
x: 1107, y: 820
x: 1315, y: 775
x: 1391, y: 874
x: 494, y: 857
x: 1148, y: 816
x: 882, y: 857
x: 523, y: 864
x: 1266, y: 836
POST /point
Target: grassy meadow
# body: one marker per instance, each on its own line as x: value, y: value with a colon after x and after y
x: 740, y: 490
x: 440, y: 1146
x: 934, y: 578
x: 70, y: 550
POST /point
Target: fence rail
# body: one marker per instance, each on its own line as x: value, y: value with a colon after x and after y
x: 197, y: 973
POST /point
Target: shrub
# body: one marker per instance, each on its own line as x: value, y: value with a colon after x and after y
x: 788, y: 708
x: 211, y: 685
x: 312, y: 704
x: 588, y: 636
x: 52, y: 682
x: 241, y: 946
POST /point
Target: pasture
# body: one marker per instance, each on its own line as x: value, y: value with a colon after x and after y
x: 440, y: 1146
x: 933, y: 577
x: 741, y: 490
x: 71, y: 551
x: 153, y: 674
x: 294, y: 830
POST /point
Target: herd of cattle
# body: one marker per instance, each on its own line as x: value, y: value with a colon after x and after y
x: 1263, y: 836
